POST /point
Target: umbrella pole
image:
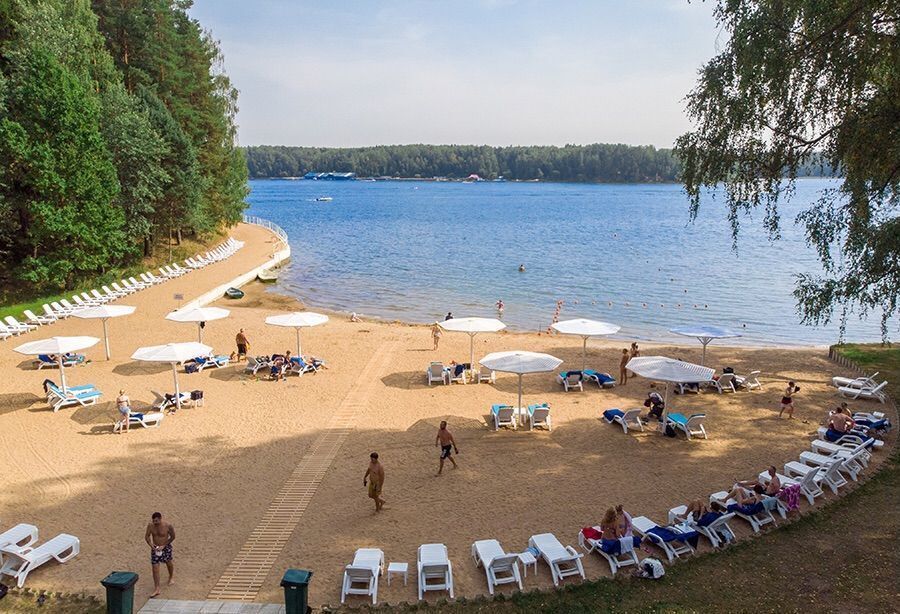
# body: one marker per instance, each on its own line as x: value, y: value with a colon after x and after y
x: 520, y: 394
x: 299, y: 353
x: 471, y: 350
x: 175, y: 377
x: 106, y: 337
x: 705, y: 342
x: 584, y: 353
x: 62, y: 372
x: 199, y: 332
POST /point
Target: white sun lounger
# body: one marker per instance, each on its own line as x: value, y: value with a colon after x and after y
x: 572, y: 381
x: 876, y: 393
x: 616, y: 561
x: 83, y: 396
x: 435, y: 569
x: 749, y: 382
x: 631, y: 418
x: 499, y: 566
x: 485, y: 375
x: 725, y: 383
x: 756, y: 521
x: 809, y: 487
x: 51, y: 313
x: 673, y: 548
x: 830, y: 475
x: 504, y: 415
x: 100, y: 297
x: 19, y: 563
x: 20, y: 536
x: 718, y: 532
x: 842, y: 450
x: 38, y: 320
x: 361, y: 576
x: 564, y: 561
x: 692, y: 425
x: 864, y: 381
x: 147, y: 420
x: 851, y: 464
x: 13, y: 324
x: 435, y: 373
x: 539, y: 416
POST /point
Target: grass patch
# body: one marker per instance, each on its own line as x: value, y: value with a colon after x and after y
x: 14, y: 304
x: 842, y: 558
x: 27, y: 601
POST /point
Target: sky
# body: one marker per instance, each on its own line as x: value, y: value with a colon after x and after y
x: 495, y: 72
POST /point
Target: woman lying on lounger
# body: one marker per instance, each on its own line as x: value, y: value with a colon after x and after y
x: 703, y: 515
x: 771, y: 489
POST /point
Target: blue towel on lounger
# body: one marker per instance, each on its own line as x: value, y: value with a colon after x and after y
x: 602, y: 378
x: 496, y: 408
x: 611, y: 414
x: 614, y: 546
x: 679, y: 418
x: 668, y: 535
x: 747, y: 510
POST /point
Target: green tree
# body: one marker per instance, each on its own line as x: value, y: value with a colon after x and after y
x: 797, y: 79
x: 58, y: 179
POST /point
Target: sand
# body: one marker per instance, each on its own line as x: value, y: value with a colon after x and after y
x: 213, y: 470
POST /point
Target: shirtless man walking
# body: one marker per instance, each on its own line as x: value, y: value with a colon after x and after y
x: 375, y: 477
x: 160, y: 535
x: 447, y: 443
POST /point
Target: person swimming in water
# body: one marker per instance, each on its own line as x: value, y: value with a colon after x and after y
x: 521, y: 268
x: 500, y: 306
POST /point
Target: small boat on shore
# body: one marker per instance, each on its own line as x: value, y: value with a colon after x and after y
x: 267, y: 276
x: 234, y: 293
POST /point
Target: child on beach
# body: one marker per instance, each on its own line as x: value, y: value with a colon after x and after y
x: 787, y: 401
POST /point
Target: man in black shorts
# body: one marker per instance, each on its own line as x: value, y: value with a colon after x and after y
x: 159, y: 536
x: 447, y: 444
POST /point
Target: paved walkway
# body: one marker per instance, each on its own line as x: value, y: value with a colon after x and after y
x: 173, y: 606
x: 245, y: 575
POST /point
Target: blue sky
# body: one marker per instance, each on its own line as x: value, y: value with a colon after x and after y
x: 496, y: 72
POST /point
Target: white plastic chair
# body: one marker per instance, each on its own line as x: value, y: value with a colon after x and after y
x: 435, y: 569
x: 361, y: 576
x: 564, y: 561
x: 500, y: 567
x: 19, y: 563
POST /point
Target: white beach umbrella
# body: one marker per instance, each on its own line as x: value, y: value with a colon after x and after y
x: 585, y: 329
x: 198, y: 315
x: 174, y: 354
x: 670, y: 371
x: 104, y: 313
x: 58, y: 346
x: 297, y: 320
x: 472, y: 326
x: 704, y: 334
x: 520, y: 363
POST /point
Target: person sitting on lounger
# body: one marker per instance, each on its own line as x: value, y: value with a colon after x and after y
x: 703, y: 515
x: 839, y: 424
x: 771, y: 489
x: 277, y: 366
x: 656, y: 404
x: 318, y: 363
x: 613, y: 540
x: 746, y: 502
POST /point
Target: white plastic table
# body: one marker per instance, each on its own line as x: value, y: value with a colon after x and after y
x: 526, y: 558
x: 399, y: 569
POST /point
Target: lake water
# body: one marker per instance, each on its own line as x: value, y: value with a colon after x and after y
x: 621, y: 253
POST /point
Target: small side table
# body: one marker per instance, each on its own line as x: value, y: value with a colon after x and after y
x: 526, y: 558
x: 399, y: 569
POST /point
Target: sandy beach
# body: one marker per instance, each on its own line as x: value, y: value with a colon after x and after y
x: 213, y: 470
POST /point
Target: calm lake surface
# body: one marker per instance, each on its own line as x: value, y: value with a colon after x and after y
x: 626, y: 254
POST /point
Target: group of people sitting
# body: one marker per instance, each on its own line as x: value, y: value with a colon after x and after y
x: 282, y: 364
x: 841, y: 422
x: 616, y: 532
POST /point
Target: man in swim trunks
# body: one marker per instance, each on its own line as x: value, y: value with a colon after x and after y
x: 159, y: 536
x: 445, y: 440
x: 243, y: 344
x: 375, y: 478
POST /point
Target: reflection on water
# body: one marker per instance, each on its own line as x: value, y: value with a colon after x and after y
x: 622, y: 253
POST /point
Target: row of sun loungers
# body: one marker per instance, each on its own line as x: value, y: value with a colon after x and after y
x: 20, y: 554
x: 59, y: 310
x: 865, y: 387
x: 537, y: 415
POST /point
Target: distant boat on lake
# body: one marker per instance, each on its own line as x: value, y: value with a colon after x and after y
x: 324, y: 199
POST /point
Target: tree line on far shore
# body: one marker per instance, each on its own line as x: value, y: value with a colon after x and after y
x: 117, y: 134
x: 600, y: 162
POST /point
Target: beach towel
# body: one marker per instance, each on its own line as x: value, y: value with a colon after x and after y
x: 610, y: 414
x: 619, y: 546
x: 746, y: 510
x: 591, y: 533
x: 833, y: 435
x: 668, y: 535
x: 708, y: 518
x: 790, y: 495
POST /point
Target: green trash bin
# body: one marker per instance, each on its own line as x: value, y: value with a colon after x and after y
x: 120, y: 592
x: 296, y: 589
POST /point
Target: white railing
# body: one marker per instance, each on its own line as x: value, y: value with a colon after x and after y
x: 258, y: 221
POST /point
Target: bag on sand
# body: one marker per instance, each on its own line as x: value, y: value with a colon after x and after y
x: 651, y: 568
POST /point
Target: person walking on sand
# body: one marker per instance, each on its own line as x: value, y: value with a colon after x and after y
x: 159, y: 536
x: 634, y: 353
x: 243, y: 345
x: 375, y: 477
x: 436, y: 335
x: 623, y: 372
x: 787, y: 400
x: 447, y: 444
x: 123, y: 404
